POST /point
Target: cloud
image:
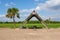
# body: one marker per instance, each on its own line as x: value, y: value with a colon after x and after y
x: 54, y: 17
x: 26, y: 10
x: 53, y: 5
x: 36, y: 0
x: 10, y: 4
x: 57, y: 7
x: 37, y: 8
x: 30, y: 10
x: 7, y: 5
x: 50, y: 5
x: 3, y: 18
x: 2, y: 15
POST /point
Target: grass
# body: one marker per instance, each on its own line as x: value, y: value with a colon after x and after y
x: 9, y: 25
x: 5, y: 25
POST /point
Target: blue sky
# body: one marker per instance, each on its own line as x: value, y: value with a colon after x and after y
x: 45, y: 8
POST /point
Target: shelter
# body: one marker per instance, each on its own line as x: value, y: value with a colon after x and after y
x: 34, y: 14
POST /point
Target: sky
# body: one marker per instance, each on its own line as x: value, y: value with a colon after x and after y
x: 45, y: 8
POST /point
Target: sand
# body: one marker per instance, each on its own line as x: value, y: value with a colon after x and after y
x: 29, y: 34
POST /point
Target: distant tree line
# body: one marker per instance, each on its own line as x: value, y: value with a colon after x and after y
x: 50, y: 21
x: 33, y: 22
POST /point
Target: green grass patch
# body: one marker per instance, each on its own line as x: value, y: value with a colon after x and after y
x: 11, y: 25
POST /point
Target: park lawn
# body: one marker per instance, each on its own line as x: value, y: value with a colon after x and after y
x: 52, y: 25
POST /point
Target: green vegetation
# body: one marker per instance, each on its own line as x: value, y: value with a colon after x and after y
x: 52, y: 24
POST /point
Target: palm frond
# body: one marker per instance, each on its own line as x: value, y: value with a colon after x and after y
x: 18, y: 16
x: 9, y: 10
x: 15, y: 10
x: 9, y: 15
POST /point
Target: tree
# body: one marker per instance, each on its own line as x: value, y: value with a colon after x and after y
x: 12, y: 13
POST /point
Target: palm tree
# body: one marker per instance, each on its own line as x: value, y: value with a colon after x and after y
x: 12, y: 13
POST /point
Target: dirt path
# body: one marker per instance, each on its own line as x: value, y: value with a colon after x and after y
x: 29, y: 34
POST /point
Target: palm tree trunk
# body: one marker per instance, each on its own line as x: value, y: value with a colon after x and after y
x: 14, y: 22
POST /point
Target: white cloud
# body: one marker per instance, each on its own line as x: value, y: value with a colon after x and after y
x: 10, y: 4
x: 50, y: 5
x: 26, y: 10
x: 30, y: 10
x: 37, y: 8
x: 36, y: 0
x: 3, y: 18
x: 7, y: 4
x: 53, y: 2
x: 55, y: 16
x: 2, y: 15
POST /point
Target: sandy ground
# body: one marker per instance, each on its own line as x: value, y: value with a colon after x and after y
x: 29, y: 34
